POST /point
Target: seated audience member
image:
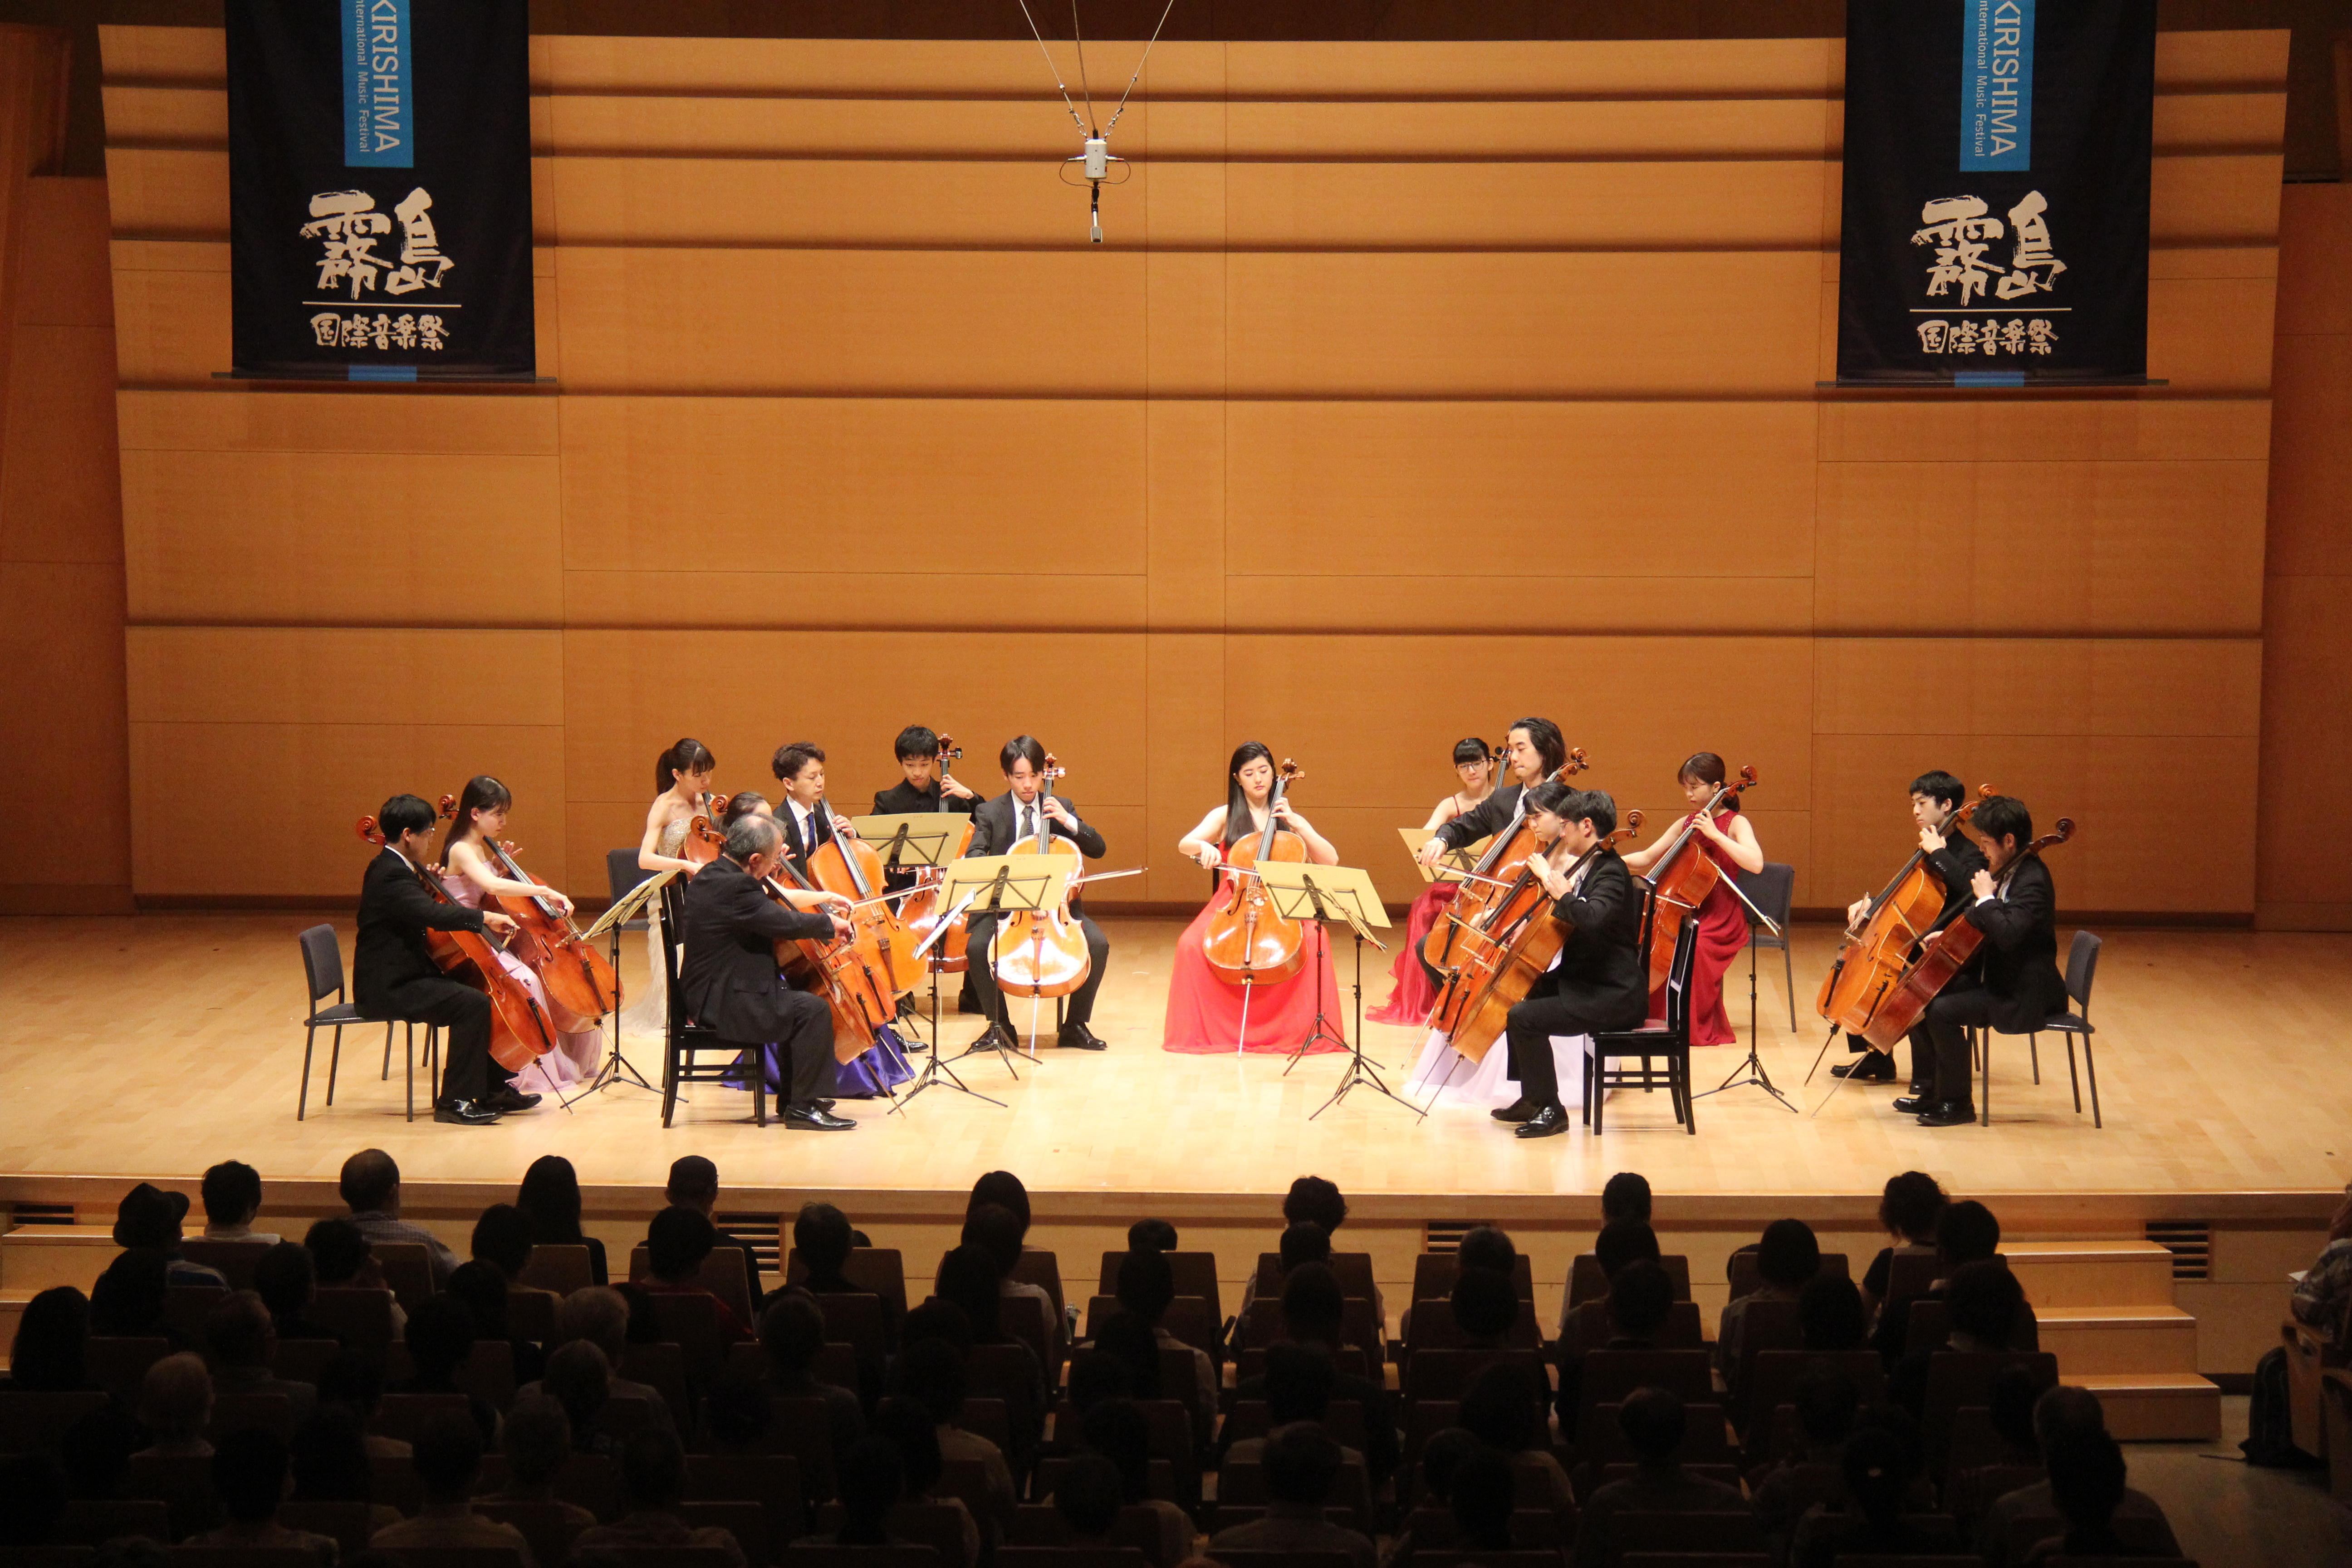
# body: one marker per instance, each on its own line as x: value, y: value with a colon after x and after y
x: 1788, y: 1258
x: 1003, y: 1189
x: 330, y: 1463
x: 370, y: 1186
x: 1965, y: 1232
x: 653, y: 1484
x: 1481, y: 1495
x: 1653, y: 1421
x: 537, y: 1441
x: 736, y: 1416
x: 33, y: 1498
x: 1095, y: 1376
x: 676, y: 1244
x: 50, y: 1353
x: 579, y: 1379
x: 694, y: 1185
x: 232, y: 1197
x: 869, y: 1495
x: 1826, y: 1404
x: 1830, y: 1314
x: 791, y: 1334
x: 1877, y: 1469
x: 287, y: 1281
x: 441, y: 1347
x: 1302, y: 1466
x: 1485, y: 1307
x: 550, y: 1196
x: 1313, y: 1313
x: 1152, y: 1236
x: 1088, y: 1500
x: 250, y: 1476
x: 504, y: 1238
x: 1130, y: 1342
x: 1907, y: 1211
x: 147, y: 1220
x: 1641, y: 1298
x: 1620, y: 1242
x: 449, y: 1462
x: 1117, y: 1431
x: 127, y: 1301
x: 1298, y: 1382
x: 2086, y: 1484
x: 2325, y: 1288
x: 907, y: 1427
x: 1984, y: 1304
x: 2010, y: 1408
x: 176, y: 1406
x: 1147, y: 1288
x: 352, y: 1380
x: 96, y: 1451
x: 1318, y: 1202
x: 599, y: 1315
x: 2064, y: 1416
x: 939, y: 1320
x: 1430, y: 1526
x: 1625, y: 1195
x: 998, y: 1231
x: 930, y: 1373
x: 1305, y: 1242
x: 239, y: 1340
x: 967, y: 1278
x: 482, y: 1290
x: 343, y: 1260
x: 1504, y: 1409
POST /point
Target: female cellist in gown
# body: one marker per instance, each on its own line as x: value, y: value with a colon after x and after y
x: 482, y: 813
x: 1730, y: 838
x: 681, y: 782
x: 1410, y: 995
x: 1205, y: 1012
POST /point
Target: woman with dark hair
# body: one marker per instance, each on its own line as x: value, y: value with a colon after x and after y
x: 1729, y: 839
x: 1412, y: 991
x: 1908, y: 1208
x: 550, y: 1194
x: 681, y: 792
x: 51, y: 1353
x: 1207, y: 1013
x: 467, y: 850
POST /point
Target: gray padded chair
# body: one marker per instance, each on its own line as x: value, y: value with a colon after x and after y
x: 322, y: 971
x: 2082, y: 968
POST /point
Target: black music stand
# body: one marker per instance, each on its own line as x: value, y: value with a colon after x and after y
x: 1325, y: 893
x: 625, y: 905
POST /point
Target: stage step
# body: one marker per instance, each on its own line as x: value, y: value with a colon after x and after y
x: 2125, y: 1341
x: 35, y: 1256
x: 2154, y: 1406
x: 12, y: 1313
x: 2091, y: 1273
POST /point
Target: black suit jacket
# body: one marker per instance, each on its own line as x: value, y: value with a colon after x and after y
x: 1602, y: 961
x: 788, y: 818
x: 1957, y: 862
x: 996, y: 825
x: 395, y: 911
x: 2019, y: 958
x: 903, y: 799
x: 728, y: 976
x: 1490, y: 816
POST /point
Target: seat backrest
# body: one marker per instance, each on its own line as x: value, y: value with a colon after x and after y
x: 1688, y: 1532
x: 560, y: 1267
x: 235, y: 1259
x: 879, y: 1270
x: 1772, y: 890
x: 1433, y: 1326
x: 466, y: 1557
x: 363, y: 1317
x: 1038, y: 1266
x: 2082, y: 967
x: 1678, y: 976
x: 406, y: 1269
x: 1586, y: 1282
x: 182, y: 1484
x: 721, y: 1274
x: 238, y: 1412
x: 118, y: 1363
x: 1195, y: 1274
x: 802, y: 1428
x: 690, y: 1321
x: 1030, y: 1320
x: 550, y: 1527
x: 322, y: 964
x: 622, y: 875
x: 1611, y: 1375
x: 1342, y: 1418
x: 1448, y: 1374
x: 1434, y: 1273
x: 855, y: 1320
x: 1160, y: 1477
x: 403, y: 1415
x: 242, y: 1557
x: 742, y: 1518
x: 810, y: 1554
x: 94, y: 1521
x: 1071, y: 1557
x: 185, y: 1305
x: 34, y: 1423
x: 1747, y: 1278
x: 348, y: 1524
x: 1042, y: 1524
x: 1958, y: 1378
x: 1600, y: 1438
x: 1772, y: 1382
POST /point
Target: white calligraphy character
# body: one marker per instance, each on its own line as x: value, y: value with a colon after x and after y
x: 420, y: 248
x: 1960, y: 232
x: 348, y: 222
x: 2032, y: 266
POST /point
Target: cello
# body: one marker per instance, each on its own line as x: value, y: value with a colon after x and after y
x: 1042, y: 953
x: 1879, y: 946
x: 920, y: 912
x: 1247, y: 941
x: 1683, y: 875
x: 846, y: 865
x: 520, y: 1030
x: 1513, y: 950
x: 1941, y: 957
x: 1495, y: 867
x: 580, y: 986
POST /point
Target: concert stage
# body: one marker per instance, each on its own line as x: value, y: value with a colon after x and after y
x: 149, y: 1048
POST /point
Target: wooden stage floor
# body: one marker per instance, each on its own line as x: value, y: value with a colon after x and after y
x: 154, y: 1045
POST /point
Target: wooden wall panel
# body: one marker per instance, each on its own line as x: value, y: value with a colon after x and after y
x: 369, y: 421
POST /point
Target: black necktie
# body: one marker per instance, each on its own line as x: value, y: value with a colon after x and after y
x: 1028, y: 822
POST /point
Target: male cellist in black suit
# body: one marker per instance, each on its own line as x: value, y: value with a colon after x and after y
x: 1534, y: 750
x: 928, y: 786
x: 394, y: 975
x: 803, y: 814
x: 1954, y: 856
x: 997, y: 826
x: 1599, y: 982
x: 729, y: 978
x: 2012, y: 983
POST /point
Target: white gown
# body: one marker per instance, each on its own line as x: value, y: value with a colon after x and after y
x: 647, y: 1013
x: 1443, y: 1076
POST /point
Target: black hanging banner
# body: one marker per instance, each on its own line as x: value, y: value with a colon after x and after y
x: 1996, y: 192
x: 380, y: 188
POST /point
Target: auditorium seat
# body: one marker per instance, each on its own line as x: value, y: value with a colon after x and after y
x: 560, y: 1267
x: 1448, y: 1374
x: 404, y: 1416
x: 236, y: 1260
x: 1958, y: 1378
x: 1244, y: 1557
x: 1159, y: 1478
x: 1432, y: 1327
x: 836, y: 1363
x: 487, y: 1375
x: 1343, y: 1419
x: 1071, y: 1557
x: 1773, y: 1385
x: 1243, y: 1482
x: 36, y: 1423
x: 240, y: 1412
x: 93, y: 1521
x: 879, y: 1269
x: 812, y: 1554
x: 1530, y: 1528
x: 1195, y: 1274
x: 802, y: 1429
x: 743, y: 1517
x: 1037, y: 1265
x: 362, y: 1317
x: 1747, y: 1278
x: 548, y: 1527
x: 856, y: 1321
x: 771, y: 1480
x: 346, y: 1524
x: 1434, y: 1274
x: 407, y: 1269
x: 721, y: 1273
x: 1042, y: 1524
x: 182, y: 1484
x: 1586, y: 1282
x: 119, y: 1364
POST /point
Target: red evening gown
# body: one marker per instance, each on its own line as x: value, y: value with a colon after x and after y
x: 1204, y: 1014
x: 1413, y: 995
x: 1722, y: 937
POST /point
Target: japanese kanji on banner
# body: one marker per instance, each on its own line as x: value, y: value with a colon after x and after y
x: 380, y: 188
x: 1996, y: 191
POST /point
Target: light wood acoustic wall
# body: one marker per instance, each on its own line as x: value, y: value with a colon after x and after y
x: 65, y: 843
x: 1418, y: 386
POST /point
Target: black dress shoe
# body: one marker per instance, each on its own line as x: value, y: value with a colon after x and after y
x: 506, y: 1096
x: 1914, y: 1104
x: 1078, y: 1038
x: 1948, y: 1113
x: 816, y: 1120
x: 1549, y: 1121
x: 995, y: 1038
x: 1874, y: 1068
x: 1518, y: 1110
x: 464, y: 1113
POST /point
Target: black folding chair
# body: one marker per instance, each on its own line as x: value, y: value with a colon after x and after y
x: 1669, y: 1041
x: 684, y: 1040
x: 322, y: 970
x: 2082, y: 968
